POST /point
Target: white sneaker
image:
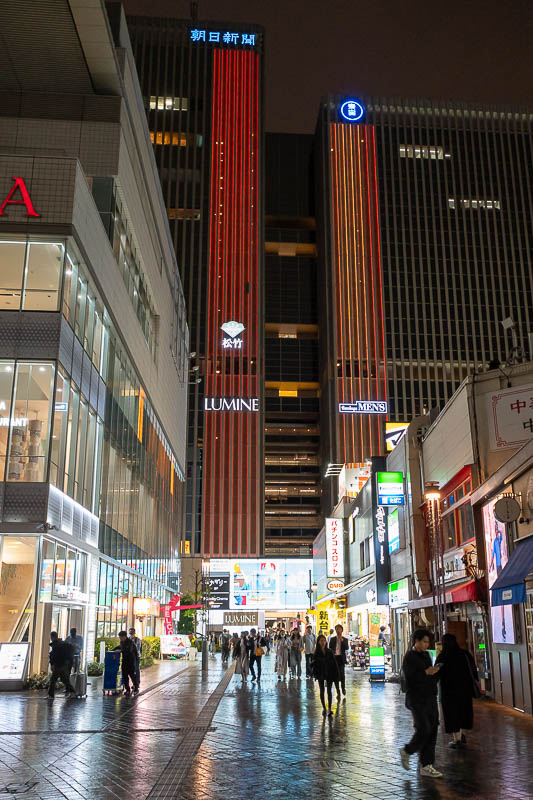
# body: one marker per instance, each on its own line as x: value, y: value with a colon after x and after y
x: 429, y: 771
x: 404, y: 755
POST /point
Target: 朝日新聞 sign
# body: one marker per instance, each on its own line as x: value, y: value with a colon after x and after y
x: 222, y: 37
x: 334, y: 548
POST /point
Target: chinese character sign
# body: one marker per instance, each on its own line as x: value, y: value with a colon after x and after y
x: 228, y: 37
x: 381, y: 532
x: 510, y: 416
x: 334, y: 548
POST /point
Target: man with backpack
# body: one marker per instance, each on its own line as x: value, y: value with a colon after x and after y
x: 61, y: 658
x: 419, y: 681
x: 130, y: 663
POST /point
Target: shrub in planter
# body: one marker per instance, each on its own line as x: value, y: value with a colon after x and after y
x: 41, y: 680
x: 110, y: 643
x: 154, y: 643
x: 146, y: 655
x: 94, y: 669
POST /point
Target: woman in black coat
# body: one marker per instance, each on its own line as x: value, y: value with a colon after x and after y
x: 326, y: 672
x: 458, y: 678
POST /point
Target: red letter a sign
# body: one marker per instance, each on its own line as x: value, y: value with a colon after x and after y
x: 26, y: 199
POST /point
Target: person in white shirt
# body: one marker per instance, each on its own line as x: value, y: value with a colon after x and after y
x: 309, y: 643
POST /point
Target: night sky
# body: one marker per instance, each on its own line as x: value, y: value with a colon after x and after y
x: 473, y: 50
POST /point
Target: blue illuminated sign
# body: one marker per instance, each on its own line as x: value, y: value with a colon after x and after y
x: 352, y: 111
x: 227, y: 37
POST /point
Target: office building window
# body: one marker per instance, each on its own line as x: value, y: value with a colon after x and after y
x: 468, y: 203
x: 422, y: 151
x: 169, y: 103
x: 30, y: 274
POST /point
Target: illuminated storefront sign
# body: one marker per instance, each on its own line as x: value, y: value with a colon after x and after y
x: 393, y: 433
x: 497, y: 555
x: 377, y: 661
x: 226, y: 37
x: 398, y: 593
x: 233, y: 339
x: 19, y: 186
x: 14, y: 422
x: 334, y: 548
x: 145, y: 607
x: 335, y: 585
x: 390, y: 489
x: 393, y: 525
x: 364, y: 407
x: 231, y: 404
x: 352, y: 110
x: 381, y: 533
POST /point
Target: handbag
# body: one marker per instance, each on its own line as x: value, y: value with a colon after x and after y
x: 476, y: 687
x: 259, y: 651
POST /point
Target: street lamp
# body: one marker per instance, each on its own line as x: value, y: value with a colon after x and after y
x: 432, y: 495
x: 312, y: 589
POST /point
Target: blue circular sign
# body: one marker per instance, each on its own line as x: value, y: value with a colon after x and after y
x: 352, y: 110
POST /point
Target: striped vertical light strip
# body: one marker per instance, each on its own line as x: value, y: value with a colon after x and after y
x: 232, y: 504
x: 356, y: 257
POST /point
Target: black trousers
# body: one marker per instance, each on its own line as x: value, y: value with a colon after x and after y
x: 327, y: 684
x: 60, y: 673
x: 225, y: 655
x: 255, y: 660
x: 130, y: 671
x: 426, y: 722
x: 308, y: 665
x: 341, y: 662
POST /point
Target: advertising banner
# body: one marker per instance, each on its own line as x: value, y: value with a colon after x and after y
x: 510, y: 415
x: 261, y: 584
x: 390, y: 488
x: 497, y: 554
x: 175, y: 645
x: 13, y: 660
x: 219, y: 590
x: 334, y: 548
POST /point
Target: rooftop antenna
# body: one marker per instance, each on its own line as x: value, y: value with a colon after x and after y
x: 194, y: 11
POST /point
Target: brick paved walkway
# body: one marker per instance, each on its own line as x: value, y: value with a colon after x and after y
x: 208, y: 738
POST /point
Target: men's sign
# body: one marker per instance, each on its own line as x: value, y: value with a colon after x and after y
x: 25, y: 199
x: 364, y: 407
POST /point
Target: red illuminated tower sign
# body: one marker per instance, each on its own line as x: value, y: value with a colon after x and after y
x: 232, y: 518
x: 19, y: 186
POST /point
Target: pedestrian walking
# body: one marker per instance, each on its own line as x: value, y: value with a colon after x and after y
x: 339, y: 646
x: 61, y: 658
x: 225, y: 646
x: 326, y: 672
x: 283, y: 647
x: 242, y: 663
x: 309, y: 643
x: 458, y: 685
x: 76, y: 642
x: 139, y: 647
x: 296, y: 654
x: 235, y: 646
x: 257, y: 651
x: 421, y: 699
x: 268, y: 641
x: 130, y: 663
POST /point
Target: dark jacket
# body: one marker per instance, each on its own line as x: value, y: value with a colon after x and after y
x: 457, y: 676
x: 325, y: 666
x: 255, y: 641
x: 130, y: 657
x: 421, y: 688
x: 61, y: 654
x: 344, y: 647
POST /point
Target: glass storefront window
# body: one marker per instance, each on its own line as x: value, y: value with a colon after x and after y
x: 17, y: 561
x: 59, y: 575
x: 44, y: 267
x: 71, y: 568
x: 69, y: 288
x: 81, y: 570
x: 59, y: 431
x: 6, y: 387
x: 12, y: 257
x: 47, y: 570
x: 30, y: 421
x: 81, y: 300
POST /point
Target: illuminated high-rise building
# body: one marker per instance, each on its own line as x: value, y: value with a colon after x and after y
x: 202, y: 88
x: 423, y: 218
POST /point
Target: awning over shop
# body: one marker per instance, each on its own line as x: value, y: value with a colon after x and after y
x: 464, y: 593
x: 509, y: 586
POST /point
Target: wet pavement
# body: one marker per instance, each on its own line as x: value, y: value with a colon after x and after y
x: 197, y: 737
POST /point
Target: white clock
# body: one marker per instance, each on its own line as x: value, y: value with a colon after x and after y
x: 507, y: 509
